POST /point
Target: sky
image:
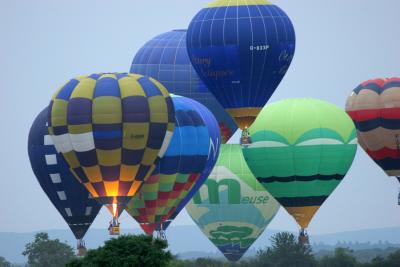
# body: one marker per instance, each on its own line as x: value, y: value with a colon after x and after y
x: 44, y: 43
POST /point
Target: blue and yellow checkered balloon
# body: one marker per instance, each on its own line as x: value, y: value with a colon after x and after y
x: 111, y: 129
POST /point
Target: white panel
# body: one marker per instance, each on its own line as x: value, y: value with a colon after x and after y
x: 68, y: 211
x: 61, y: 195
x: 62, y: 143
x: 320, y: 141
x: 354, y: 141
x: 88, y: 211
x: 47, y: 140
x: 55, y: 178
x: 261, y: 144
x: 51, y: 159
x: 165, y: 144
x: 82, y: 142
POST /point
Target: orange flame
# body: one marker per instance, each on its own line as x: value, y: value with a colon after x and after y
x: 114, y: 210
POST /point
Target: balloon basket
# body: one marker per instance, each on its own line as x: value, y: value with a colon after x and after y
x: 161, y: 235
x: 114, y: 230
x: 81, y: 248
x: 304, y: 238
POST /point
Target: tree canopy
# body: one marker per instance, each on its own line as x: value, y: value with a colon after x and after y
x: 45, y: 252
x: 127, y: 251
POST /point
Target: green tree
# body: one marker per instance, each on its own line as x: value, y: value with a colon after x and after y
x: 127, y: 251
x: 45, y: 252
x: 285, y: 252
x: 4, y: 262
x: 341, y: 258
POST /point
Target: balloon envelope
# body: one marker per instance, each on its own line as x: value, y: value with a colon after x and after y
x: 232, y: 209
x: 212, y: 157
x: 241, y: 50
x: 111, y: 128
x: 70, y: 198
x: 374, y: 107
x: 179, y: 169
x: 301, y: 150
x: 165, y: 58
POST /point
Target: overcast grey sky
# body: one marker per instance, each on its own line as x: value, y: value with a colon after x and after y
x: 44, y: 43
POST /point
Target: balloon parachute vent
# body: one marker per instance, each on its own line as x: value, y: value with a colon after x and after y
x: 245, y: 139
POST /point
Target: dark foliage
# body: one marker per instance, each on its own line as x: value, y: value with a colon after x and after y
x: 45, y: 252
x: 127, y: 251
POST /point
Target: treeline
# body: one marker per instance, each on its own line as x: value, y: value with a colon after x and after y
x: 142, y: 250
x: 285, y: 251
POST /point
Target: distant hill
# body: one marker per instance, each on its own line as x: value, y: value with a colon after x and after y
x: 189, y: 242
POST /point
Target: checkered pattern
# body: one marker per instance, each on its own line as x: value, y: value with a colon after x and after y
x: 178, y: 170
x: 111, y: 128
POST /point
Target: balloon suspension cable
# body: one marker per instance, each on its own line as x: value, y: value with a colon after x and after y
x: 81, y: 248
x: 161, y: 233
x: 303, y: 237
x: 245, y: 139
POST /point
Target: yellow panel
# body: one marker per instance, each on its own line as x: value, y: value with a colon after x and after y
x: 222, y: 3
x: 84, y: 89
x: 158, y: 109
x: 91, y: 190
x: 128, y: 173
x: 111, y: 188
x: 106, y: 110
x: 71, y: 159
x: 109, y: 158
x: 79, y: 129
x: 108, y: 75
x: 93, y: 174
x: 303, y: 215
x: 59, y: 113
x: 134, y: 188
x: 129, y: 86
x: 135, y: 135
x: 149, y: 156
x: 171, y: 127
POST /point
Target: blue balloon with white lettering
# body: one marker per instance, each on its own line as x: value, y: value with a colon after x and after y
x: 241, y: 51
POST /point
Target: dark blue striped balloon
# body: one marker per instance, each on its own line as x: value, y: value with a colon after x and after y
x: 213, y: 152
x: 70, y: 198
x: 165, y: 58
x: 241, y: 50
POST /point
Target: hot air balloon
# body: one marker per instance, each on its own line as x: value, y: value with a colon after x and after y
x: 301, y: 150
x: 241, y: 50
x: 211, y: 160
x: 181, y: 167
x: 111, y: 129
x: 165, y: 58
x: 374, y: 107
x: 70, y: 198
x: 232, y: 209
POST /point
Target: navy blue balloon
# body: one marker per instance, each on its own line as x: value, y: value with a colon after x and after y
x: 241, y: 52
x: 165, y: 58
x: 68, y: 196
